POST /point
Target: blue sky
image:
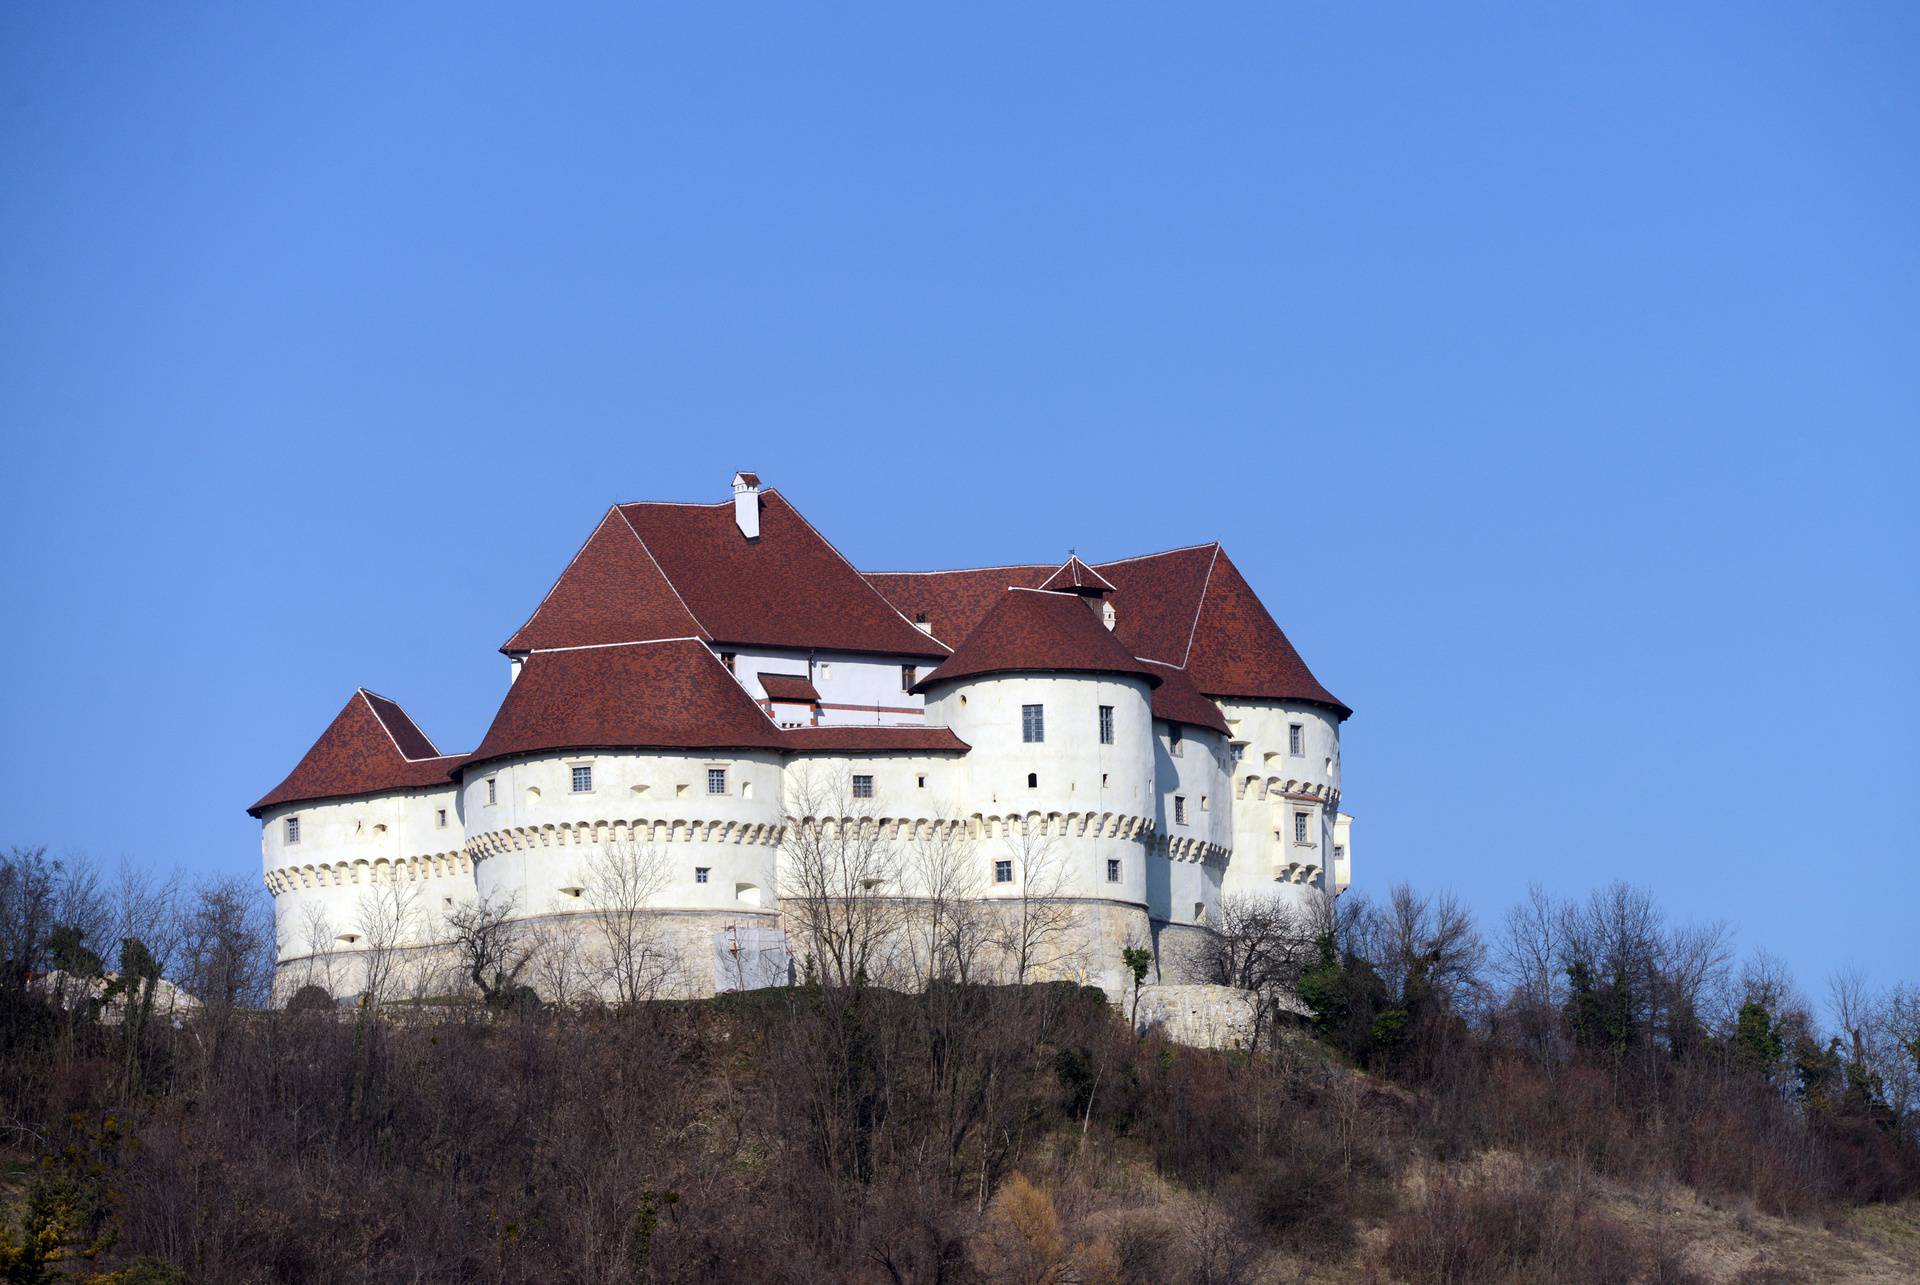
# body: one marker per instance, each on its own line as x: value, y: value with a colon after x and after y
x: 1554, y: 376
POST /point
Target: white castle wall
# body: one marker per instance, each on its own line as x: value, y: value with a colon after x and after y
x: 1270, y: 784
x: 533, y: 842
x: 853, y: 689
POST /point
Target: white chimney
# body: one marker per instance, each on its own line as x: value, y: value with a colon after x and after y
x: 746, y: 504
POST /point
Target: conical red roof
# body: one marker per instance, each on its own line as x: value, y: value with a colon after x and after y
x: 1037, y: 631
x: 371, y: 747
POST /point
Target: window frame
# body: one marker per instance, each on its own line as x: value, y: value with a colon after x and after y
x: 493, y: 790
x: 580, y: 778
x: 862, y: 785
x: 1296, y: 740
x: 292, y: 830
x: 721, y: 774
x: 1113, y: 870
x: 1003, y: 870
x: 1106, y: 724
x: 1033, y: 724
x: 1179, y: 809
x: 908, y: 675
x: 1302, y: 833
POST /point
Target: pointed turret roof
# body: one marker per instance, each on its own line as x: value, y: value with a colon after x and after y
x: 671, y: 694
x: 1038, y: 631
x: 371, y: 747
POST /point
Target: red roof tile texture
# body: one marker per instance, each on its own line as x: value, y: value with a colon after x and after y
x: 1188, y: 607
x: 789, y: 687
x: 653, y: 571
x: 371, y: 747
x: 613, y: 591
x: 850, y: 740
x: 1038, y: 632
x: 1177, y: 700
x: 666, y: 695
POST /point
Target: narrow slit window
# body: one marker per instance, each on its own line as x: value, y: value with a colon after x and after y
x: 440, y: 819
x: 1033, y: 780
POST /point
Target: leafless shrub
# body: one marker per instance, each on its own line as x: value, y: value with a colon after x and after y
x: 622, y: 881
x: 840, y: 878
x: 1035, y: 928
x: 389, y: 922
x: 493, y: 946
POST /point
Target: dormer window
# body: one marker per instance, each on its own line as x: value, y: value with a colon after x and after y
x: 293, y: 829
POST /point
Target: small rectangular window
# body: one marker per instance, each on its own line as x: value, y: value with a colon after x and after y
x: 1203, y: 804
x: 1339, y: 851
x: 1113, y: 870
x: 582, y: 779
x: 716, y: 780
x: 729, y: 659
x: 921, y: 780
x: 823, y: 672
x: 1003, y: 872
x: 1033, y: 723
x: 440, y: 819
x: 700, y: 873
x: 1106, y: 724
x: 493, y: 789
x: 1180, y: 809
x: 293, y: 829
x: 1296, y: 740
x: 906, y: 678
x: 1300, y: 827
x: 862, y: 787
x: 1174, y: 740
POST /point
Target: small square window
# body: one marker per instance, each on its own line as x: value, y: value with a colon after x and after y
x: 1106, y: 724
x: 1179, y: 809
x: 293, y: 829
x: 1113, y: 870
x: 1033, y: 723
x: 1296, y: 740
x: 1300, y: 827
x: 582, y: 779
x: 1003, y: 872
x: 716, y: 780
x: 1174, y: 741
x: 440, y: 819
x: 906, y: 678
x: 493, y: 789
x: 700, y: 873
x: 862, y: 787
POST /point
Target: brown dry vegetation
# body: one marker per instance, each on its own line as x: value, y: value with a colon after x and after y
x: 968, y: 1133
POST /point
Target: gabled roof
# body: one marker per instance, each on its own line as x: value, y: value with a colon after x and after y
x: 673, y: 694
x: 789, y: 687
x: 1076, y: 576
x: 686, y: 571
x: 1036, y: 631
x: 1177, y: 700
x: 854, y: 740
x: 1186, y: 607
x: 613, y: 591
x: 371, y: 747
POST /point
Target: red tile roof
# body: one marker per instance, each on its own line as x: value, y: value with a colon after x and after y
x: 1177, y: 700
x: 1075, y: 574
x: 613, y: 591
x: 687, y: 571
x: 789, y: 687
x: 1031, y: 630
x: 849, y: 740
x: 371, y: 747
x: 660, y: 695
x: 1188, y: 607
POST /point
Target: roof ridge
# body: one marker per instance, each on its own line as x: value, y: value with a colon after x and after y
x: 557, y: 580
x: 795, y: 510
x: 1201, y: 605
x: 961, y: 571
x: 1160, y: 553
x: 631, y: 642
x: 372, y: 709
x: 698, y: 623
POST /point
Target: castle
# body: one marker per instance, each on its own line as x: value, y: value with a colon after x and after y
x: 704, y: 679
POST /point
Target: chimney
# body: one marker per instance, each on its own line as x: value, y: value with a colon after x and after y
x: 746, y: 504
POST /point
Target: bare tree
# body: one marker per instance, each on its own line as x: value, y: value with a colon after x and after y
x: 839, y: 877
x: 389, y: 922
x: 317, y: 937
x: 1035, y: 927
x: 493, y: 946
x: 226, y: 956
x: 622, y: 881
x: 948, y: 926
x: 562, y: 972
